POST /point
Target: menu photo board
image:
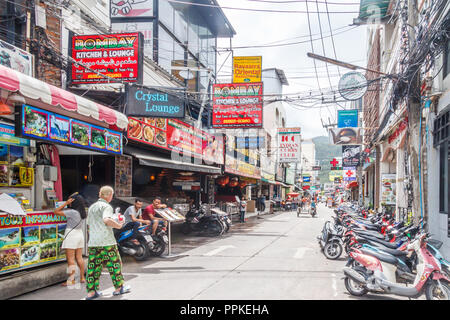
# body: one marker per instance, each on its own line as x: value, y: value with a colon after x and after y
x: 48, y: 126
x: 118, y: 56
x: 237, y: 105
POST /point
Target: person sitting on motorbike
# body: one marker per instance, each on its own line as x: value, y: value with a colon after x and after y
x: 131, y: 215
x: 313, y: 204
x: 149, y: 214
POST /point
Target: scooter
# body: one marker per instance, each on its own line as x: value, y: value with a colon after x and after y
x: 136, y: 246
x: 378, y: 273
x: 160, y: 241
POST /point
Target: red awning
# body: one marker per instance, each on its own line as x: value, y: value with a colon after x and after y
x: 35, y: 89
x: 353, y: 184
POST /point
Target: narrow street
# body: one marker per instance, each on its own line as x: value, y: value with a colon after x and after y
x: 273, y: 258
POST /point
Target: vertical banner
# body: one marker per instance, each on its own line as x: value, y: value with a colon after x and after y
x: 247, y: 69
x: 289, y: 141
x: 351, y: 156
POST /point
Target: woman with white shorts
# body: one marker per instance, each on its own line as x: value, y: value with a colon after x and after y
x: 73, y: 238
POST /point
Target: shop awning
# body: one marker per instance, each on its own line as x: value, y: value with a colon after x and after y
x: 35, y: 89
x: 147, y: 159
x: 352, y: 185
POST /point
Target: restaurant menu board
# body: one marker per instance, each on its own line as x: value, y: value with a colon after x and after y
x: 388, y: 189
x: 45, y: 125
x: 170, y: 214
x: 237, y: 105
x: 172, y: 134
x: 118, y: 56
x: 31, y: 240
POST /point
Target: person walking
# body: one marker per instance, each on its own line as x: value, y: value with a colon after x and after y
x: 73, y: 242
x: 242, y: 207
x: 102, y: 246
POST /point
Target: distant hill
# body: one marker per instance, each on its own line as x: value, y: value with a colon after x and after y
x: 325, y: 152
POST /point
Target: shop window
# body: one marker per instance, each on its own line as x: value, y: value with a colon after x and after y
x: 446, y: 69
x: 441, y: 128
x: 443, y: 177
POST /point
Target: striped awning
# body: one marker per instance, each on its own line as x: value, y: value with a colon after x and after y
x: 48, y: 94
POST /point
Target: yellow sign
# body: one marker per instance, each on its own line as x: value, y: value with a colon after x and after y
x: 247, y: 69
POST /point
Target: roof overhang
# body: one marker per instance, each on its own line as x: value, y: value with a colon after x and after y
x: 211, y: 11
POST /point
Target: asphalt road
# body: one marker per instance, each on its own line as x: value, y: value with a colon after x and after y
x: 275, y: 257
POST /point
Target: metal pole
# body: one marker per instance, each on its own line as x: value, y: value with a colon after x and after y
x: 169, y: 249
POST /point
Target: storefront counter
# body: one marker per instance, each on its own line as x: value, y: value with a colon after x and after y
x: 31, y: 240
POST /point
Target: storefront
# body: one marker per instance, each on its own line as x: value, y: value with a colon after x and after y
x: 173, y: 160
x: 44, y: 122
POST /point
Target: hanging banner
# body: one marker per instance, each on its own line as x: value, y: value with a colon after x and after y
x: 118, y: 56
x: 151, y: 103
x: 351, y: 156
x: 289, y: 141
x: 237, y: 105
x: 247, y: 69
x: 15, y: 58
x: 348, y: 118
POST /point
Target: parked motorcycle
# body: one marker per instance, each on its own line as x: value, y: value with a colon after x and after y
x: 198, y: 221
x: 160, y: 241
x: 375, y: 272
x: 137, y: 246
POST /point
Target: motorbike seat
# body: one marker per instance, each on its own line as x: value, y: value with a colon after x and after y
x: 381, y: 256
x: 391, y: 245
x: 394, y: 252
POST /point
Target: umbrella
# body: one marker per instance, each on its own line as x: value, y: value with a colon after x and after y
x: 10, y: 205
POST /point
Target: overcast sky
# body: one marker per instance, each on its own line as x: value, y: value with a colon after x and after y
x: 262, y: 28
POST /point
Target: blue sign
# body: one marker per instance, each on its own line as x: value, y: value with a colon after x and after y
x: 249, y: 142
x: 7, y: 136
x: 45, y: 125
x: 151, y: 103
x: 348, y: 118
x: 306, y: 179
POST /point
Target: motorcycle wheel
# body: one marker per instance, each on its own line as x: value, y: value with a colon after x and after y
x: 434, y: 292
x: 186, y: 228
x: 215, y: 228
x: 355, y: 288
x: 142, y: 253
x: 158, y: 249
x: 332, y: 250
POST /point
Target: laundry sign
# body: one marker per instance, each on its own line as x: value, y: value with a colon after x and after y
x: 145, y: 102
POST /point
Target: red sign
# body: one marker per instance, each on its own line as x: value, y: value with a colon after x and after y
x: 172, y: 134
x: 237, y: 105
x: 117, y: 56
x: 334, y: 162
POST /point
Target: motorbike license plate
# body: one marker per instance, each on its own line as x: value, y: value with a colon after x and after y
x: 165, y: 239
x: 148, y: 238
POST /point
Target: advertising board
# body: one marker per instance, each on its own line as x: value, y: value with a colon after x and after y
x: 289, y: 141
x: 247, y: 69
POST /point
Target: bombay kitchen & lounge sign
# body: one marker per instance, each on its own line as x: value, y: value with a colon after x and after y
x: 146, y: 102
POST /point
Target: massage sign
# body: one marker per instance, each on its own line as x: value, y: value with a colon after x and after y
x: 118, y: 56
x: 237, y: 105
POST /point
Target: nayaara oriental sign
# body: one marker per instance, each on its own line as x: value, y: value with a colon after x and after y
x: 118, y: 56
x: 146, y: 102
x: 289, y: 141
x: 237, y: 105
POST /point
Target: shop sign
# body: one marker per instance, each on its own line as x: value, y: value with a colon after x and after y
x: 349, y: 173
x: 396, y: 137
x: 290, y: 176
x: 237, y: 105
x: 316, y: 168
x: 16, y: 59
x: 344, y: 136
x: 351, y: 156
x: 131, y: 9
x: 334, y: 174
x: 289, y: 141
x: 31, y: 240
x: 388, y: 189
x: 151, y: 103
x: 250, y: 142
x: 118, y: 56
x: 176, y: 135
x: 238, y: 163
x: 247, y: 69
x: 352, y: 85
x: 306, y: 179
x: 7, y: 136
x: 44, y: 125
x: 348, y: 118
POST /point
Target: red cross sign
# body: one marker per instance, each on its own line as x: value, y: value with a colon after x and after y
x: 334, y: 162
